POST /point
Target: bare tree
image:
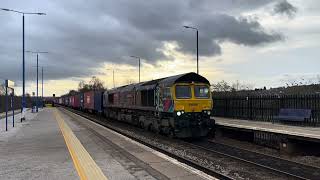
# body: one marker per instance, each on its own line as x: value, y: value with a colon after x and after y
x: 221, y: 86
x: 83, y: 86
x: 94, y: 84
x: 236, y: 86
x: 72, y: 92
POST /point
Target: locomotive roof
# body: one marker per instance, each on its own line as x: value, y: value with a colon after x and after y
x: 167, y: 81
x: 184, y: 78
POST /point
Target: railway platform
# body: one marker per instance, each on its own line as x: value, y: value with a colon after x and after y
x: 285, y: 137
x: 57, y: 144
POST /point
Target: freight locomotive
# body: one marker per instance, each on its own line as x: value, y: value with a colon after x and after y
x: 178, y: 106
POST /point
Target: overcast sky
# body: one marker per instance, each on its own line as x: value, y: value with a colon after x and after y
x: 258, y: 42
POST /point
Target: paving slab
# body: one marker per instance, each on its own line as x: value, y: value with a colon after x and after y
x: 17, y: 124
x: 35, y: 149
x: 53, y: 144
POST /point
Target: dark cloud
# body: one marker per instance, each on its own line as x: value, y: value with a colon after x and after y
x: 81, y: 35
x: 285, y: 8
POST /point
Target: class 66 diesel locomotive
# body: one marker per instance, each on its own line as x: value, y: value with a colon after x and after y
x: 178, y: 106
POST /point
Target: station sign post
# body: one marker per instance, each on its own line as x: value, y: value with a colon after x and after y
x: 9, y: 85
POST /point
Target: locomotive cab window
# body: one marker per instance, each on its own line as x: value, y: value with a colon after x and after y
x: 201, y: 91
x: 183, y: 92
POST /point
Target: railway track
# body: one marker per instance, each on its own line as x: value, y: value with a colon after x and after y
x: 181, y: 159
x: 279, y: 165
x: 223, y: 153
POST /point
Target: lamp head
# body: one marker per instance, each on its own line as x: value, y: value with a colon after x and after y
x: 4, y: 9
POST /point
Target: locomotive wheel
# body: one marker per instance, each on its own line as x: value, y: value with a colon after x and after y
x: 141, y: 124
x: 157, y: 130
x: 152, y: 128
x: 171, y: 134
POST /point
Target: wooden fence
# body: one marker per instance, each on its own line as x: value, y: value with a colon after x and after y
x: 266, y: 107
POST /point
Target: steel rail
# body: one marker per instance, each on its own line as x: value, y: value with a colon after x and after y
x: 170, y: 154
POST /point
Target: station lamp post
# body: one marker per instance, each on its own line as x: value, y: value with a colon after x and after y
x: 112, y: 77
x: 38, y: 52
x: 41, y: 80
x: 23, y: 62
x: 194, y: 28
x: 139, y: 64
x: 42, y: 84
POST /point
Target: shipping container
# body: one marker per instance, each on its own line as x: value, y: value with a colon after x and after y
x: 98, y: 96
x: 60, y: 101
x: 93, y: 101
x: 81, y: 101
x: 76, y: 103
x: 88, y: 100
x: 70, y: 101
x: 66, y: 101
x: 71, y: 104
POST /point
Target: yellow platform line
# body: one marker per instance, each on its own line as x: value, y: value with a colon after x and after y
x: 83, y: 162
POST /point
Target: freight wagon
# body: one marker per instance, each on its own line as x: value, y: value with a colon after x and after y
x: 71, y: 99
x: 76, y: 104
x: 81, y: 101
x: 92, y: 101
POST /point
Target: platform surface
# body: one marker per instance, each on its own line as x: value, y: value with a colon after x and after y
x: 56, y: 144
x: 35, y: 149
x: 306, y: 132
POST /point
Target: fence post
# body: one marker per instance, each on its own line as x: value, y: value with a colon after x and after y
x: 248, y: 108
x: 251, y: 108
x: 226, y: 107
x: 6, y: 107
x: 12, y: 106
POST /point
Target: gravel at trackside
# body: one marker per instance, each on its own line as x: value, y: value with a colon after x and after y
x: 308, y: 160
x: 221, y: 164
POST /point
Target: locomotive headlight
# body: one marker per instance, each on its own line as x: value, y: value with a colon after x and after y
x: 182, y: 112
x: 209, y: 112
x: 178, y: 113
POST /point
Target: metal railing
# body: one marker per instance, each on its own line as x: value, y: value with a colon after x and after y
x: 265, y: 107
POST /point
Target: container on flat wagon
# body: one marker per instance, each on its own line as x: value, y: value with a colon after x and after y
x: 66, y: 101
x: 81, y: 101
x: 88, y: 100
x: 60, y: 101
x: 71, y: 104
x: 76, y: 103
x: 98, y: 96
